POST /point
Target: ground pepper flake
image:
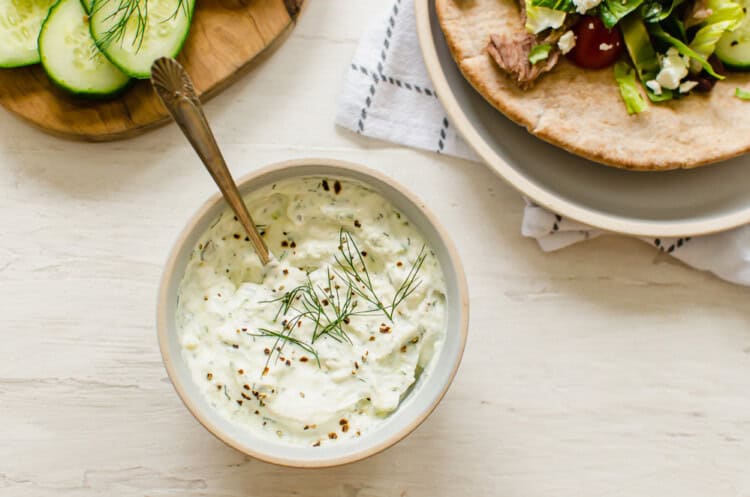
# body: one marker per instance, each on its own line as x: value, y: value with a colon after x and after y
x: 267, y: 351
x: 241, y: 371
x: 265, y: 371
x: 357, y: 224
x: 209, y: 376
x: 324, y: 183
x: 316, y: 444
x: 337, y: 187
x: 384, y: 328
x: 303, y: 359
x: 332, y: 435
x: 403, y: 349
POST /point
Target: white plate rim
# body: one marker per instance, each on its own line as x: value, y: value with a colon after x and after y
x: 541, y: 196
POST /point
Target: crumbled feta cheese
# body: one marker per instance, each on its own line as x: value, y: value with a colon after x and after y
x: 605, y: 47
x: 686, y: 86
x: 582, y: 6
x: 673, y: 69
x: 654, y: 86
x: 566, y: 42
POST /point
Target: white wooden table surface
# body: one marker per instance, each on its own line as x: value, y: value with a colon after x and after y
x: 602, y: 370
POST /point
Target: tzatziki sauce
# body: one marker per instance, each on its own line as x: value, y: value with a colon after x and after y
x: 321, y: 345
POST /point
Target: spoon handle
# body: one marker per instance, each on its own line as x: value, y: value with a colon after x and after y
x: 173, y: 85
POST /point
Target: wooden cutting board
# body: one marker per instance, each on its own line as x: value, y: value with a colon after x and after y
x: 226, y: 35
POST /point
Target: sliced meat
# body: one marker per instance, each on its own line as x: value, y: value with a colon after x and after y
x: 511, y: 53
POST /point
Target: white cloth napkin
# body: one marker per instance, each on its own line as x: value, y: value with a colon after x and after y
x: 388, y: 95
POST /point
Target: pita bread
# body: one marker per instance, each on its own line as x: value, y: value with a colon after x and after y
x: 582, y: 111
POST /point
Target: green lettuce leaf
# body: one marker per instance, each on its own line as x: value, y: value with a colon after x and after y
x: 726, y: 16
x: 655, y: 11
x: 611, y: 11
x: 562, y: 5
x: 658, y: 32
x: 742, y: 94
x: 539, y: 52
x: 642, y: 53
x: 629, y: 88
x: 539, y: 18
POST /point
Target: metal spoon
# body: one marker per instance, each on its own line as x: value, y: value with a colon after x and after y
x: 175, y: 89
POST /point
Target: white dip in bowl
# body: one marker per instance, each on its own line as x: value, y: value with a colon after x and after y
x: 321, y: 345
x: 343, y: 381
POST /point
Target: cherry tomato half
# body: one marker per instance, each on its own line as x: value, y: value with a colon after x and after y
x: 596, y: 46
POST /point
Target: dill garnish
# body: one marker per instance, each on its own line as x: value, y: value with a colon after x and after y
x: 330, y: 309
x: 130, y: 14
x: 355, y: 272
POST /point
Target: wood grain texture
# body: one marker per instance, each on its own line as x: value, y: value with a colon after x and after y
x: 225, y: 37
x: 603, y: 370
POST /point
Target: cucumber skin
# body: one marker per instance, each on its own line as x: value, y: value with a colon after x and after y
x: 72, y: 91
x: 90, y: 96
x: 25, y: 63
x: 146, y: 75
x: 38, y: 58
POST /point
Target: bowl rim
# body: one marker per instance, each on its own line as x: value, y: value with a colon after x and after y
x: 541, y: 196
x: 169, y: 273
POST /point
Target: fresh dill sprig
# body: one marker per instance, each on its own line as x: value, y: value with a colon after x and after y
x: 355, y: 272
x: 329, y: 309
x: 128, y: 14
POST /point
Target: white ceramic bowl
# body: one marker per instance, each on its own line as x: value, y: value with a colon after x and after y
x: 416, y: 406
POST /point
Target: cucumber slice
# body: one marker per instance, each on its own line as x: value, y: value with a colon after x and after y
x: 70, y: 57
x: 20, y: 22
x: 733, y: 48
x: 134, y: 33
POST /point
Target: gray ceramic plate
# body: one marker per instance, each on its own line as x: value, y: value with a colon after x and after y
x: 675, y: 203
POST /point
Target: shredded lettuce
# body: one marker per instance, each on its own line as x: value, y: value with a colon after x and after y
x: 725, y: 16
x: 562, y: 5
x: 658, y: 32
x: 742, y: 94
x: 642, y: 53
x: 654, y: 11
x: 539, y: 52
x: 629, y: 88
x: 539, y: 18
x: 611, y: 11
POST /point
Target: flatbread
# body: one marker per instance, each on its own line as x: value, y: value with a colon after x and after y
x: 582, y: 111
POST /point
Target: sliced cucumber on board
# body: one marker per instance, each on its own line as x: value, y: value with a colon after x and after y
x: 20, y: 22
x: 733, y: 48
x: 70, y: 57
x: 133, y: 35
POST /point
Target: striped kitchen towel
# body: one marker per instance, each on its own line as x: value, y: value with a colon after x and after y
x: 388, y: 95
